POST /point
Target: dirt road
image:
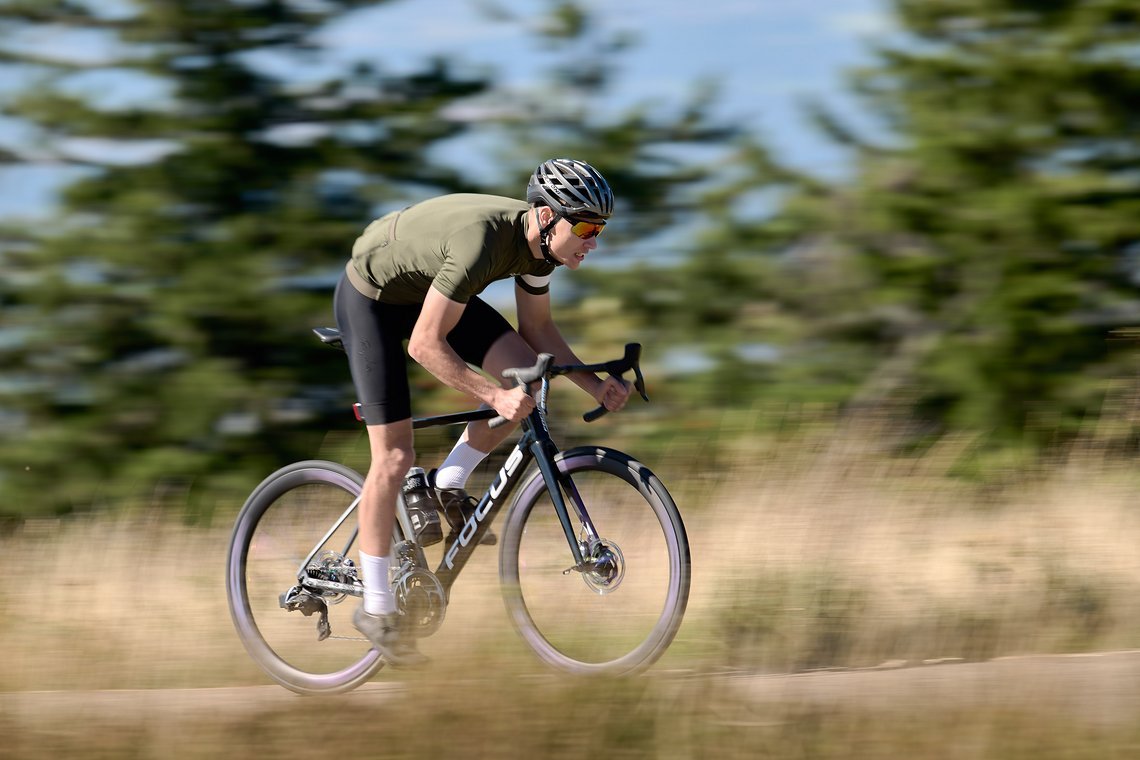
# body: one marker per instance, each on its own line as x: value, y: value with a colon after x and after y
x: 1100, y: 688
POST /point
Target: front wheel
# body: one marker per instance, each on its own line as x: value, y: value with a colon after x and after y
x: 619, y: 612
x: 302, y: 637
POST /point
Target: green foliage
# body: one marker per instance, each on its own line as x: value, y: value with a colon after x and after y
x: 1000, y: 224
x: 157, y: 333
x: 165, y: 317
x: 979, y: 268
x: 976, y: 272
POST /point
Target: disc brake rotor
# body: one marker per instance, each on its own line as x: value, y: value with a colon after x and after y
x: 605, y: 569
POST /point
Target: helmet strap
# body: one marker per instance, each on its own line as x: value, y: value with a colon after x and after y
x: 544, y: 238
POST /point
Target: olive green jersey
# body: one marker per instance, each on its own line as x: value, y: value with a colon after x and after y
x: 458, y: 244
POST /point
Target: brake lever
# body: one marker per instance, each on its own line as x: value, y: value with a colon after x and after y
x: 639, y: 382
x: 601, y: 411
x: 631, y: 361
x: 523, y: 377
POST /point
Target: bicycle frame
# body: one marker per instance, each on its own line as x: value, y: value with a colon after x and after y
x: 534, y: 445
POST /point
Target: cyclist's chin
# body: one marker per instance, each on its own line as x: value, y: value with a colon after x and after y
x: 574, y: 260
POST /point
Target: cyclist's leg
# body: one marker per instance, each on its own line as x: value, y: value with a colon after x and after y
x: 373, y: 335
x: 390, y: 446
x: 508, y: 350
x: 483, y: 338
x: 378, y: 617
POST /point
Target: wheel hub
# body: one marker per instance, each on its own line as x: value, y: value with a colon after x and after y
x: 605, y: 568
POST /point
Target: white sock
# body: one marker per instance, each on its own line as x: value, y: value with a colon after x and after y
x: 378, y: 598
x: 458, y: 466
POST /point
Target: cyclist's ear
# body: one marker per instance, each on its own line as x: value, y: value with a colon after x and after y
x: 544, y: 214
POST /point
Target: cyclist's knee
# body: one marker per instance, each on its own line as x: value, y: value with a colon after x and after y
x: 390, y: 466
x: 511, y: 350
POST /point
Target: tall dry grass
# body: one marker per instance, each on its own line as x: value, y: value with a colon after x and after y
x: 832, y: 554
x: 814, y: 553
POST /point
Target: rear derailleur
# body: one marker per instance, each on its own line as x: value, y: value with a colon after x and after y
x: 329, y: 580
x: 297, y: 598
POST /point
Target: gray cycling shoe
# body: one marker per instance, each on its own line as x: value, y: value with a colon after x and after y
x: 383, y: 632
x: 457, y: 507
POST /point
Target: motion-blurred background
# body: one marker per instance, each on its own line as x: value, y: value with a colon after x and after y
x: 884, y: 258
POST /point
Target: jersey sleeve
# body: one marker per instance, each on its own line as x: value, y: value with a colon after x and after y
x: 536, y: 278
x: 468, y: 264
x: 535, y: 284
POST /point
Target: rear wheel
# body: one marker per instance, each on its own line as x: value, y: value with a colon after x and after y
x: 619, y: 612
x: 279, y: 622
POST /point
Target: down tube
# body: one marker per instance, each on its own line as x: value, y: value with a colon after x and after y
x: 456, y: 555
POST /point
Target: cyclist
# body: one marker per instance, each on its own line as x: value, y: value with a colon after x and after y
x: 416, y: 274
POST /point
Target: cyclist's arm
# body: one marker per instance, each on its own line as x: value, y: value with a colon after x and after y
x: 429, y: 347
x: 537, y: 327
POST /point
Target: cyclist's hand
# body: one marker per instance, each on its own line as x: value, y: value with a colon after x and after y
x: 513, y: 403
x: 612, y: 393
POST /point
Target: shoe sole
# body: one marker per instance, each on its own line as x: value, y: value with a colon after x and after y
x: 396, y: 661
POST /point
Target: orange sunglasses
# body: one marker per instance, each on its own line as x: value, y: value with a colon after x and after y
x: 586, y: 230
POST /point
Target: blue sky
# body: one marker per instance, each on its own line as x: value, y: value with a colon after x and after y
x: 769, y: 55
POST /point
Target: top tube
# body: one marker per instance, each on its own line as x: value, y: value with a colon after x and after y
x: 542, y: 371
x: 453, y: 419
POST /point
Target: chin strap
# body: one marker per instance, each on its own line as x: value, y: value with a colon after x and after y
x: 544, y: 236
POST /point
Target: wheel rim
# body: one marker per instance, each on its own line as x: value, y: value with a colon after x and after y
x: 564, y: 619
x: 304, y: 503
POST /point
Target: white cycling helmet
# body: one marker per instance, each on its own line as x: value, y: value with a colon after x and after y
x: 572, y: 188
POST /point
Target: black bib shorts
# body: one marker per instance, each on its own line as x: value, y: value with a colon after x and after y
x: 373, y: 334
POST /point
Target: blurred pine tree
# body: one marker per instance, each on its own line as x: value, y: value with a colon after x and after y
x: 166, y: 313
x: 157, y: 332
x: 979, y: 264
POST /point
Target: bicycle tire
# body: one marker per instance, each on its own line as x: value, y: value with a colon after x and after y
x: 616, y: 490
x: 280, y: 522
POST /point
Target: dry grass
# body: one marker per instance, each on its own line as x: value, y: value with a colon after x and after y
x: 845, y: 559
x: 817, y: 555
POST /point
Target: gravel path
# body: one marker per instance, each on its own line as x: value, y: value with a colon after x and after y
x: 1101, y: 688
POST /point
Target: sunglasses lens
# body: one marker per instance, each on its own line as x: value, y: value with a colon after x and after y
x: 586, y: 230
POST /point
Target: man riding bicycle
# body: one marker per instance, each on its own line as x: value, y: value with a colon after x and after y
x: 416, y: 274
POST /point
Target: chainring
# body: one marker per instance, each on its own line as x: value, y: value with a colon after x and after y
x: 421, y: 599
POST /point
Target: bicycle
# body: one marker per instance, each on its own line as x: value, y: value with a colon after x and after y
x: 594, y: 560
